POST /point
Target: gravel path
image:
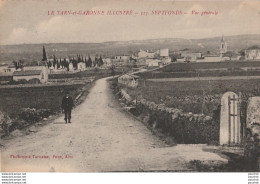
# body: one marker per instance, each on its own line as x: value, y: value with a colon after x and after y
x: 102, y: 137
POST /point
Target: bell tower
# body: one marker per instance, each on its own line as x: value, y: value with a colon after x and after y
x: 223, y: 46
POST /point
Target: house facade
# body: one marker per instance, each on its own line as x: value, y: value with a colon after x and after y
x: 81, y: 66
x: 122, y: 58
x: 153, y: 62
x: 29, y: 75
x: 44, y: 70
x: 146, y: 54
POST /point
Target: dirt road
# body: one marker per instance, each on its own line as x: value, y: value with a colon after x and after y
x: 102, y: 137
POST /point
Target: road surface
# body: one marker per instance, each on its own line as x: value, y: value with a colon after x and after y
x: 102, y: 137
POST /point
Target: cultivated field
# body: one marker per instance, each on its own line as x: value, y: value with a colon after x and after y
x: 13, y: 99
x: 229, y: 65
x: 198, y: 87
x: 194, y: 96
x: 198, y: 74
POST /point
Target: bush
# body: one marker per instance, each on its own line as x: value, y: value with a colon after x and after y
x: 31, y: 115
x: 34, y: 81
x: 5, y: 123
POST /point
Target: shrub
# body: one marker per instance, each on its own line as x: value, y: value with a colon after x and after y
x: 31, y: 115
x: 5, y: 123
x: 34, y: 81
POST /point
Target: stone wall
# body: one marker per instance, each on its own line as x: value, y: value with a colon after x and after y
x: 186, y: 128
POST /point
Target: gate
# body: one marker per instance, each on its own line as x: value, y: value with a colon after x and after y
x: 230, y: 126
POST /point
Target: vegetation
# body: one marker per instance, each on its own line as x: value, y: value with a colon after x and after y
x: 26, y: 117
x: 229, y: 65
x: 194, y: 96
x: 197, y: 74
x: 39, y: 97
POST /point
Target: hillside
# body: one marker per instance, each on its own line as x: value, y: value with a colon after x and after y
x: 30, y: 52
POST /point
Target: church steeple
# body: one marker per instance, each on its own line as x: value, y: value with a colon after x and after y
x: 223, y: 46
x: 222, y: 39
x: 44, y: 57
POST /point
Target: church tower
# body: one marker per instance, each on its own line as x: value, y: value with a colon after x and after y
x: 223, y: 46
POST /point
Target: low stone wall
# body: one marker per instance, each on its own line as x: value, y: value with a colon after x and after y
x: 186, y: 128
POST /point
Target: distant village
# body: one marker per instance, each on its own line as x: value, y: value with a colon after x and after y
x: 38, y: 72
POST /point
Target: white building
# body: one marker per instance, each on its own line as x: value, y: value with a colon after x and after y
x: 71, y: 68
x: 147, y: 54
x: 81, y: 66
x: 223, y: 46
x: 122, y: 58
x: 107, y: 62
x: 153, y: 62
x: 7, y: 69
x: 191, y: 56
x: 29, y: 75
x: 44, y: 70
x: 164, y: 52
x: 252, y: 54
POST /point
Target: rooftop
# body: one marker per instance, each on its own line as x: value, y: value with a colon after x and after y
x: 27, y: 73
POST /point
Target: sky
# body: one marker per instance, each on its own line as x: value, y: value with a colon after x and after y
x: 27, y: 21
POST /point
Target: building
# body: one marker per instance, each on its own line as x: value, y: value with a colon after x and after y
x: 6, y: 74
x: 191, y: 56
x: 44, y: 70
x: 7, y: 69
x: 252, y: 54
x: 81, y: 66
x: 215, y: 59
x: 223, y: 46
x: 71, y: 68
x: 147, y: 54
x: 122, y: 58
x: 164, y: 52
x: 30, y: 72
x: 107, y: 62
x: 29, y: 75
x: 129, y: 80
x: 153, y: 62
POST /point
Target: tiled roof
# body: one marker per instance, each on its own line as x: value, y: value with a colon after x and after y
x: 27, y: 73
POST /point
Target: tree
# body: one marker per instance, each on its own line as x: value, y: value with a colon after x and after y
x: 75, y: 63
x: 90, y: 64
x: 112, y: 69
x: 44, y: 56
x: 21, y: 64
x: 100, y: 61
x: 16, y: 64
x: 66, y: 64
x: 54, y: 61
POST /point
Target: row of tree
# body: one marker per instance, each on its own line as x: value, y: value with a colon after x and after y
x: 59, y: 63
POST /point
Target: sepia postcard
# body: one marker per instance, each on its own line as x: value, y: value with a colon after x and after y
x: 129, y: 86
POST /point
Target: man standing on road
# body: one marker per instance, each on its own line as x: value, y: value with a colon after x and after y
x: 67, y: 104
